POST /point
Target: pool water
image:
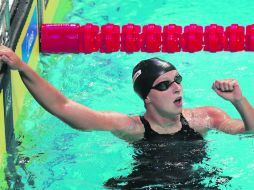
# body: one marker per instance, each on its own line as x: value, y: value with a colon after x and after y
x: 52, y: 155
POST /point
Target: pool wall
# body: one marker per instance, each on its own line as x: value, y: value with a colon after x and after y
x: 24, y: 39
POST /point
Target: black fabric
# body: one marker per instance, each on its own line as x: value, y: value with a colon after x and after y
x: 166, y: 162
x: 186, y: 133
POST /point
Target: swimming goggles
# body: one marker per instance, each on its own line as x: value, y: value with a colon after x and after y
x: 164, y: 85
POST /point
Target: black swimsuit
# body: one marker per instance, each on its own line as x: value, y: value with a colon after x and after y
x: 186, y: 133
x: 165, y: 161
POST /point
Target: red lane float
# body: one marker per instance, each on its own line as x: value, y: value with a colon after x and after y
x: 130, y: 38
x: 192, y: 38
x: 249, y: 38
x: 110, y: 38
x: 57, y: 38
x: 235, y: 38
x: 89, y: 40
x: 151, y: 38
x: 73, y: 38
x: 171, y: 38
x: 214, y: 38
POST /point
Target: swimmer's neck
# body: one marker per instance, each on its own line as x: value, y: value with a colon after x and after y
x: 170, y: 121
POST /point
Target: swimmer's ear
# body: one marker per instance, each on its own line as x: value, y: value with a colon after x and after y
x: 147, y: 100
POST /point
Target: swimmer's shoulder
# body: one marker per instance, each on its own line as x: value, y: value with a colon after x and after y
x: 210, y: 111
x: 199, y: 118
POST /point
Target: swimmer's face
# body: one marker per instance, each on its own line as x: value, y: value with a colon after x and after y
x: 166, y: 94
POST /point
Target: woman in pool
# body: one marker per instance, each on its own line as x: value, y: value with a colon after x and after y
x: 159, y: 84
x: 174, y: 134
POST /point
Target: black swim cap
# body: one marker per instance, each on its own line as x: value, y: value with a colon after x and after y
x: 146, y: 72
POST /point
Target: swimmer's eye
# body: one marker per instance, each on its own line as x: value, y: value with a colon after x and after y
x: 164, y: 85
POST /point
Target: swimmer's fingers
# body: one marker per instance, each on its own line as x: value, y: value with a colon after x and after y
x: 228, y: 89
x: 216, y: 88
x: 10, y: 58
x: 5, y: 53
x: 4, y: 58
x: 234, y: 84
x: 226, y: 85
x: 5, y: 50
x: 223, y: 86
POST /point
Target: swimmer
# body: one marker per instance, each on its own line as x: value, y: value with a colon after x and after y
x: 158, y: 83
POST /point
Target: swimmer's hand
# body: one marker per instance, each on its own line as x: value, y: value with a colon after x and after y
x: 228, y: 89
x: 10, y: 58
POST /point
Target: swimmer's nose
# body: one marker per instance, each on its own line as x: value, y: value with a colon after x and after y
x: 177, y: 87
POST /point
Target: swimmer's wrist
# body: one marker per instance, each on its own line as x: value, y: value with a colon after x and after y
x: 239, y: 102
x: 22, y: 67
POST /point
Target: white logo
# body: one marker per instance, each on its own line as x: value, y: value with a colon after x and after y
x: 136, y: 75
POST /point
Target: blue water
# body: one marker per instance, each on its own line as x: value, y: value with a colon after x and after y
x: 54, y: 156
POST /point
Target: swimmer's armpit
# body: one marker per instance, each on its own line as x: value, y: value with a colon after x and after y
x: 130, y: 132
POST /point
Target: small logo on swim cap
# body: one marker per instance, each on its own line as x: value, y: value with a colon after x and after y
x: 136, y: 75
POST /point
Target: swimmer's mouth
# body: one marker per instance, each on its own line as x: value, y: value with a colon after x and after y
x: 178, y: 101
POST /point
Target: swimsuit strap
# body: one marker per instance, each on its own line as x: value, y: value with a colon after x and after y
x: 185, y: 133
x: 148, y: 130
x: 184, y: 122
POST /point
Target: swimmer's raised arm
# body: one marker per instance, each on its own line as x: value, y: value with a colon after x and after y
x: 229, y: 90
x: 74, y: 114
